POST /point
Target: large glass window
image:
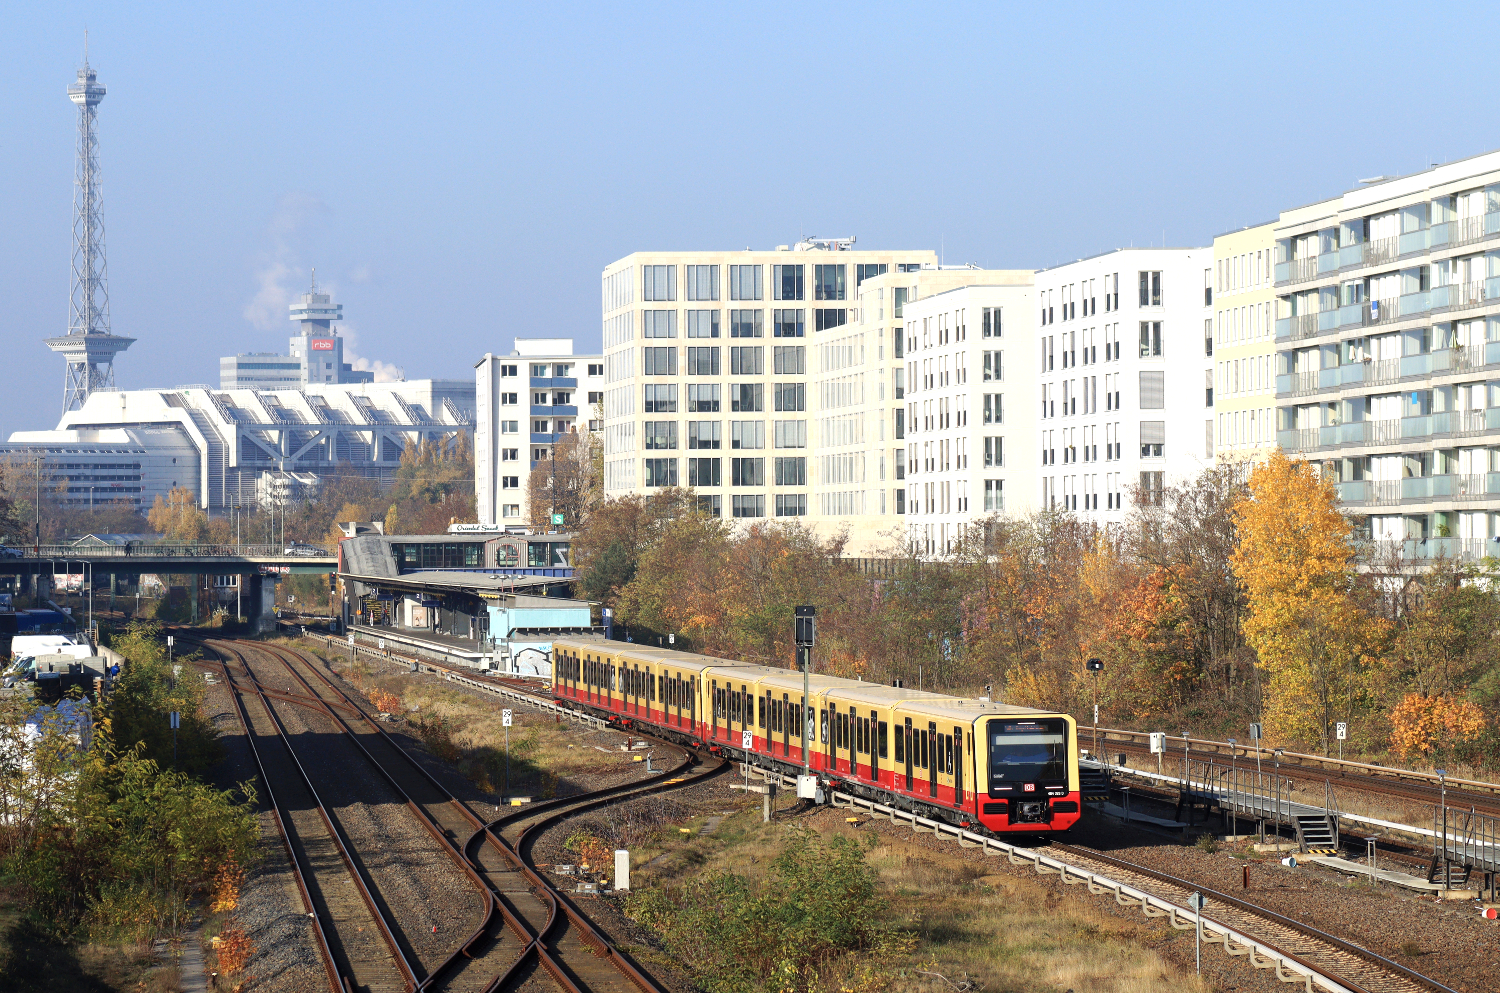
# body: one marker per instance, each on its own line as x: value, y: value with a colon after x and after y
x: 1027, y: 751
x: 744, y: 282
x: 660, y: 435
x: 747, y: 396
x: 867, y: 269
x: 703, y: 472
x: 747, y: 434
x: 746, y: 324
x: 747, y: 360
x: 702, y: 399
x: 703, y: 434
x: 791, y: 505
x: 791, y: 471
x: 658, y: 324
x: 659, y: 399
x: 702, y: 282
x: 658, y: 282
x: 992, y: 326
x: 661, y: 472
x: 786, y: 282
x: 789, y: 360
x: 748, y: 505
x: 791, y: 434
x: 787, y: 323
x: 438, y: 554
x: 830, y: 317
x: 703, y: 324
x: 659, y: 361
x: 702, y: 361
x: 828, y: 282
x: 747, y: 472
x: 791, y: 396
x: 994, y: 494
x: 1150, y: 339
x: 1150, y: 283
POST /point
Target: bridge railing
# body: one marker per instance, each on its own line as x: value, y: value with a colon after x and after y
x: 155, y: 551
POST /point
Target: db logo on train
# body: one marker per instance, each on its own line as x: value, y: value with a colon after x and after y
x: 1029, y: 788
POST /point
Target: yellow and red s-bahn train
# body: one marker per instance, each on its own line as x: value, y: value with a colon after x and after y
x: 965, y: 761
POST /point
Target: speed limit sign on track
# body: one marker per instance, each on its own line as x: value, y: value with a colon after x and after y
x: 1341, y: 729
x: 505, y: 718
x: 747, y: 740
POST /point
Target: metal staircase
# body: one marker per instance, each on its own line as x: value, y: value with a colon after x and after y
x: 1448, y: 873
x: 1318, y: 834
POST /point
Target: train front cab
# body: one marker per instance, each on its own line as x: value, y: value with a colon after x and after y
x: 1028, y: 768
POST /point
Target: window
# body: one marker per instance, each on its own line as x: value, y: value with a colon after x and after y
x: 747, y: 472
x: 539, y: 399
x: 655, y: 324
x: 790, y: 396
x: 510, y: 427
x: 791, y: 472
x: 747, y: 397
x: 994, y: 408
x: 748, y: 506
x: 791, y: 434
x: 787, y: 323
x: 510, y: 482
x: 510, y: 455
x: 791, y: 505
x: 994, y: 366
x: 658, y: 282
x: 745, y: 324
x: 992, y: 326
x: 508, y: 370
x: 1208, y: 336
x: 994, y: 494
x: 1153, y: 439
x: 866, y: 270
x: 596, y: 396
x: 828, y: 282
x: 744, y: 282
x: 994, y: 453
x: 1153, y: 390
x: 596, y: 368
x: 710, y: 505
x: 562, y: 370
x: 659, y: 361
x: 510, y: 510
x: 539, y: 370
x: 830, y: 317
x: 702, y: 282
x: 1153, y: 484
x: 660, y: 435
x: 747, y: 434
x: 747, y: 360
x: 540, y: 427
x: 702, y: 361
x: 789, y: 360
x: 702, y: 324
x: 786, y: 282
x: 703, y: 472
x: 702, y: 399
x: 661, y: 472
x: 1150, y: 339
x: 659, y: 399
x: 703, y: 434
x: 1150, y: 289
x: 898, y: 299
x: 509, y: 399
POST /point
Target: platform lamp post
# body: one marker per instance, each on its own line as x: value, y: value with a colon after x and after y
x: 1096, y: 666
x: 1442, y: 775
x: 806, y: 631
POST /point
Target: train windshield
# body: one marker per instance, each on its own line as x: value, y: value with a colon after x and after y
x: 1024, y: 751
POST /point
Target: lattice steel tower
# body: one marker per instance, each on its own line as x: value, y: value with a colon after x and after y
x: 89, y: 347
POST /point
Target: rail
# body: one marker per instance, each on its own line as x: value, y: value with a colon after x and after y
x: 1302, y: 758
x: 148, y: 551
x: 1263, y: 955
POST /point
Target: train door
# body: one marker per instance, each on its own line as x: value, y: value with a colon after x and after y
x: 824, y: 738
x: 958, y: 766
x: 851, y: 739
x: 713, y: 695
x: 877, y: 742
x: 930, y: 756
x: 905, y: 733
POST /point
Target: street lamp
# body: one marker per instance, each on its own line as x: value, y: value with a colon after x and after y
x: 806, y: 631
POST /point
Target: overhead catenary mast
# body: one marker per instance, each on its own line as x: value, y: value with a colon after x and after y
x: 89, y: 346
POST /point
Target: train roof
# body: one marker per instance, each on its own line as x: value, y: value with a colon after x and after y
x: 940, y: 706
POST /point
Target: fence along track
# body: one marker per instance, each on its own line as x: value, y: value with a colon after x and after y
x: 525, y: 896
x: 1324, y: 962
x: 360, y: 952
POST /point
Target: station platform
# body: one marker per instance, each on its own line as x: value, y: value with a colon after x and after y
x: 442, y: 646
x: 1402, y: 879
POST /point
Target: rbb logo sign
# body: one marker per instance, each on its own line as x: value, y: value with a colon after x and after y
x: 321, y: 345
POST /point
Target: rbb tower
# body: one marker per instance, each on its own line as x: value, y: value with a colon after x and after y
x: 89, y: 347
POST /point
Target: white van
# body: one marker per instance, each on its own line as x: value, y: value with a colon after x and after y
x: 25, y: 646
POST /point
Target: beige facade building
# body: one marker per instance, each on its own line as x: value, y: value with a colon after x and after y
x: 756, y: 379
x: 1244, y: 343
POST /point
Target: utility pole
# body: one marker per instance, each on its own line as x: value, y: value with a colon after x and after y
x: 806, y: 631
x: 1095, y: 666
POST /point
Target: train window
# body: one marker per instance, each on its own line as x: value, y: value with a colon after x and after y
x: 650, y: 675
x: 760, y: 717
x: 948, y: 751
x: 864, y: 735
x: 900, y: 752
x: 823, y: 722
x: 882, y: 739
x: 775, y: 715
x: 922, y: 737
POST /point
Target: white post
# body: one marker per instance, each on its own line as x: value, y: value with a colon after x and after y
x: 622, y: 869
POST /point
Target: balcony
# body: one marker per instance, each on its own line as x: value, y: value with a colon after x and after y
x: 553, y: 410
x: 1350, y: 314
x: 1379, y: 251
x: 1351, y: 255
x: 1298, y: 439
x: 558, y: 382
x: 1302, y: 382
x: 1414, y: 241
x: 1381, y: 312
x: 1301, y: 270
x: 1355, y: 491
x: 1385, y: 491
x: 1301, y: 326
x: 1384, y: 432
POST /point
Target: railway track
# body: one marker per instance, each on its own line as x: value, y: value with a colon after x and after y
x: 547, y: 931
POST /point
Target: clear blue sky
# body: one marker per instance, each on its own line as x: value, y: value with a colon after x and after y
x: 461, y: 176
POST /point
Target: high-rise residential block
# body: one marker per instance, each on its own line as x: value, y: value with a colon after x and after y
x: 1242, y: 342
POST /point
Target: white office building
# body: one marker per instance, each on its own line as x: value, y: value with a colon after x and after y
x: 524, y: 403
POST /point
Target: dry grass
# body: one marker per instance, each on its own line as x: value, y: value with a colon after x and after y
x: 974, y: 921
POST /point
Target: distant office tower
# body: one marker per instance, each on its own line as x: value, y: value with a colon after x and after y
x: 316, y: 356
x: 88, y: 347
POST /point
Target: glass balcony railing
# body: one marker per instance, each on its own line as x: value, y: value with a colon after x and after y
x: 1416, y: 427
x: 1351, y: 314
x: 1297, y: 439
x: 1283, y: 384
x: 1351, y: 255
x: 1414, y: 241
x: 1416, y: 365
x: 1283, y: 271
x: 1414, y: 303
x: 1328, y: 262
x: 1440, y: 234
x: 1354, y: 491
x: 1330, y: 378
x: 1356, y: 433
x: 1303, y: 382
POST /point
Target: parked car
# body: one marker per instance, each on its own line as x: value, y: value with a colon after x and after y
x: 298, y: 548
x: 11, y: 552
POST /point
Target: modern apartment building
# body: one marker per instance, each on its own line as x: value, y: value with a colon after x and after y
x: 1388, y: 353
x: 525, y: 402
x: 1123, y: 393
x: 729, y: 372
x: 1242, y: 341
x: 968, y: 353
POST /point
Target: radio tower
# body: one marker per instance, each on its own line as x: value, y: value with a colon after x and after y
x: 88, y: 347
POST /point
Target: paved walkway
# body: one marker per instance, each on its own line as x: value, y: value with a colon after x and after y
x: 194, y: 977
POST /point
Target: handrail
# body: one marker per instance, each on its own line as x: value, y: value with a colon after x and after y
x: 151, y: 551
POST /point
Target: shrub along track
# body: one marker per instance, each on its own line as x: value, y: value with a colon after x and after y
x: 549, y: 930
